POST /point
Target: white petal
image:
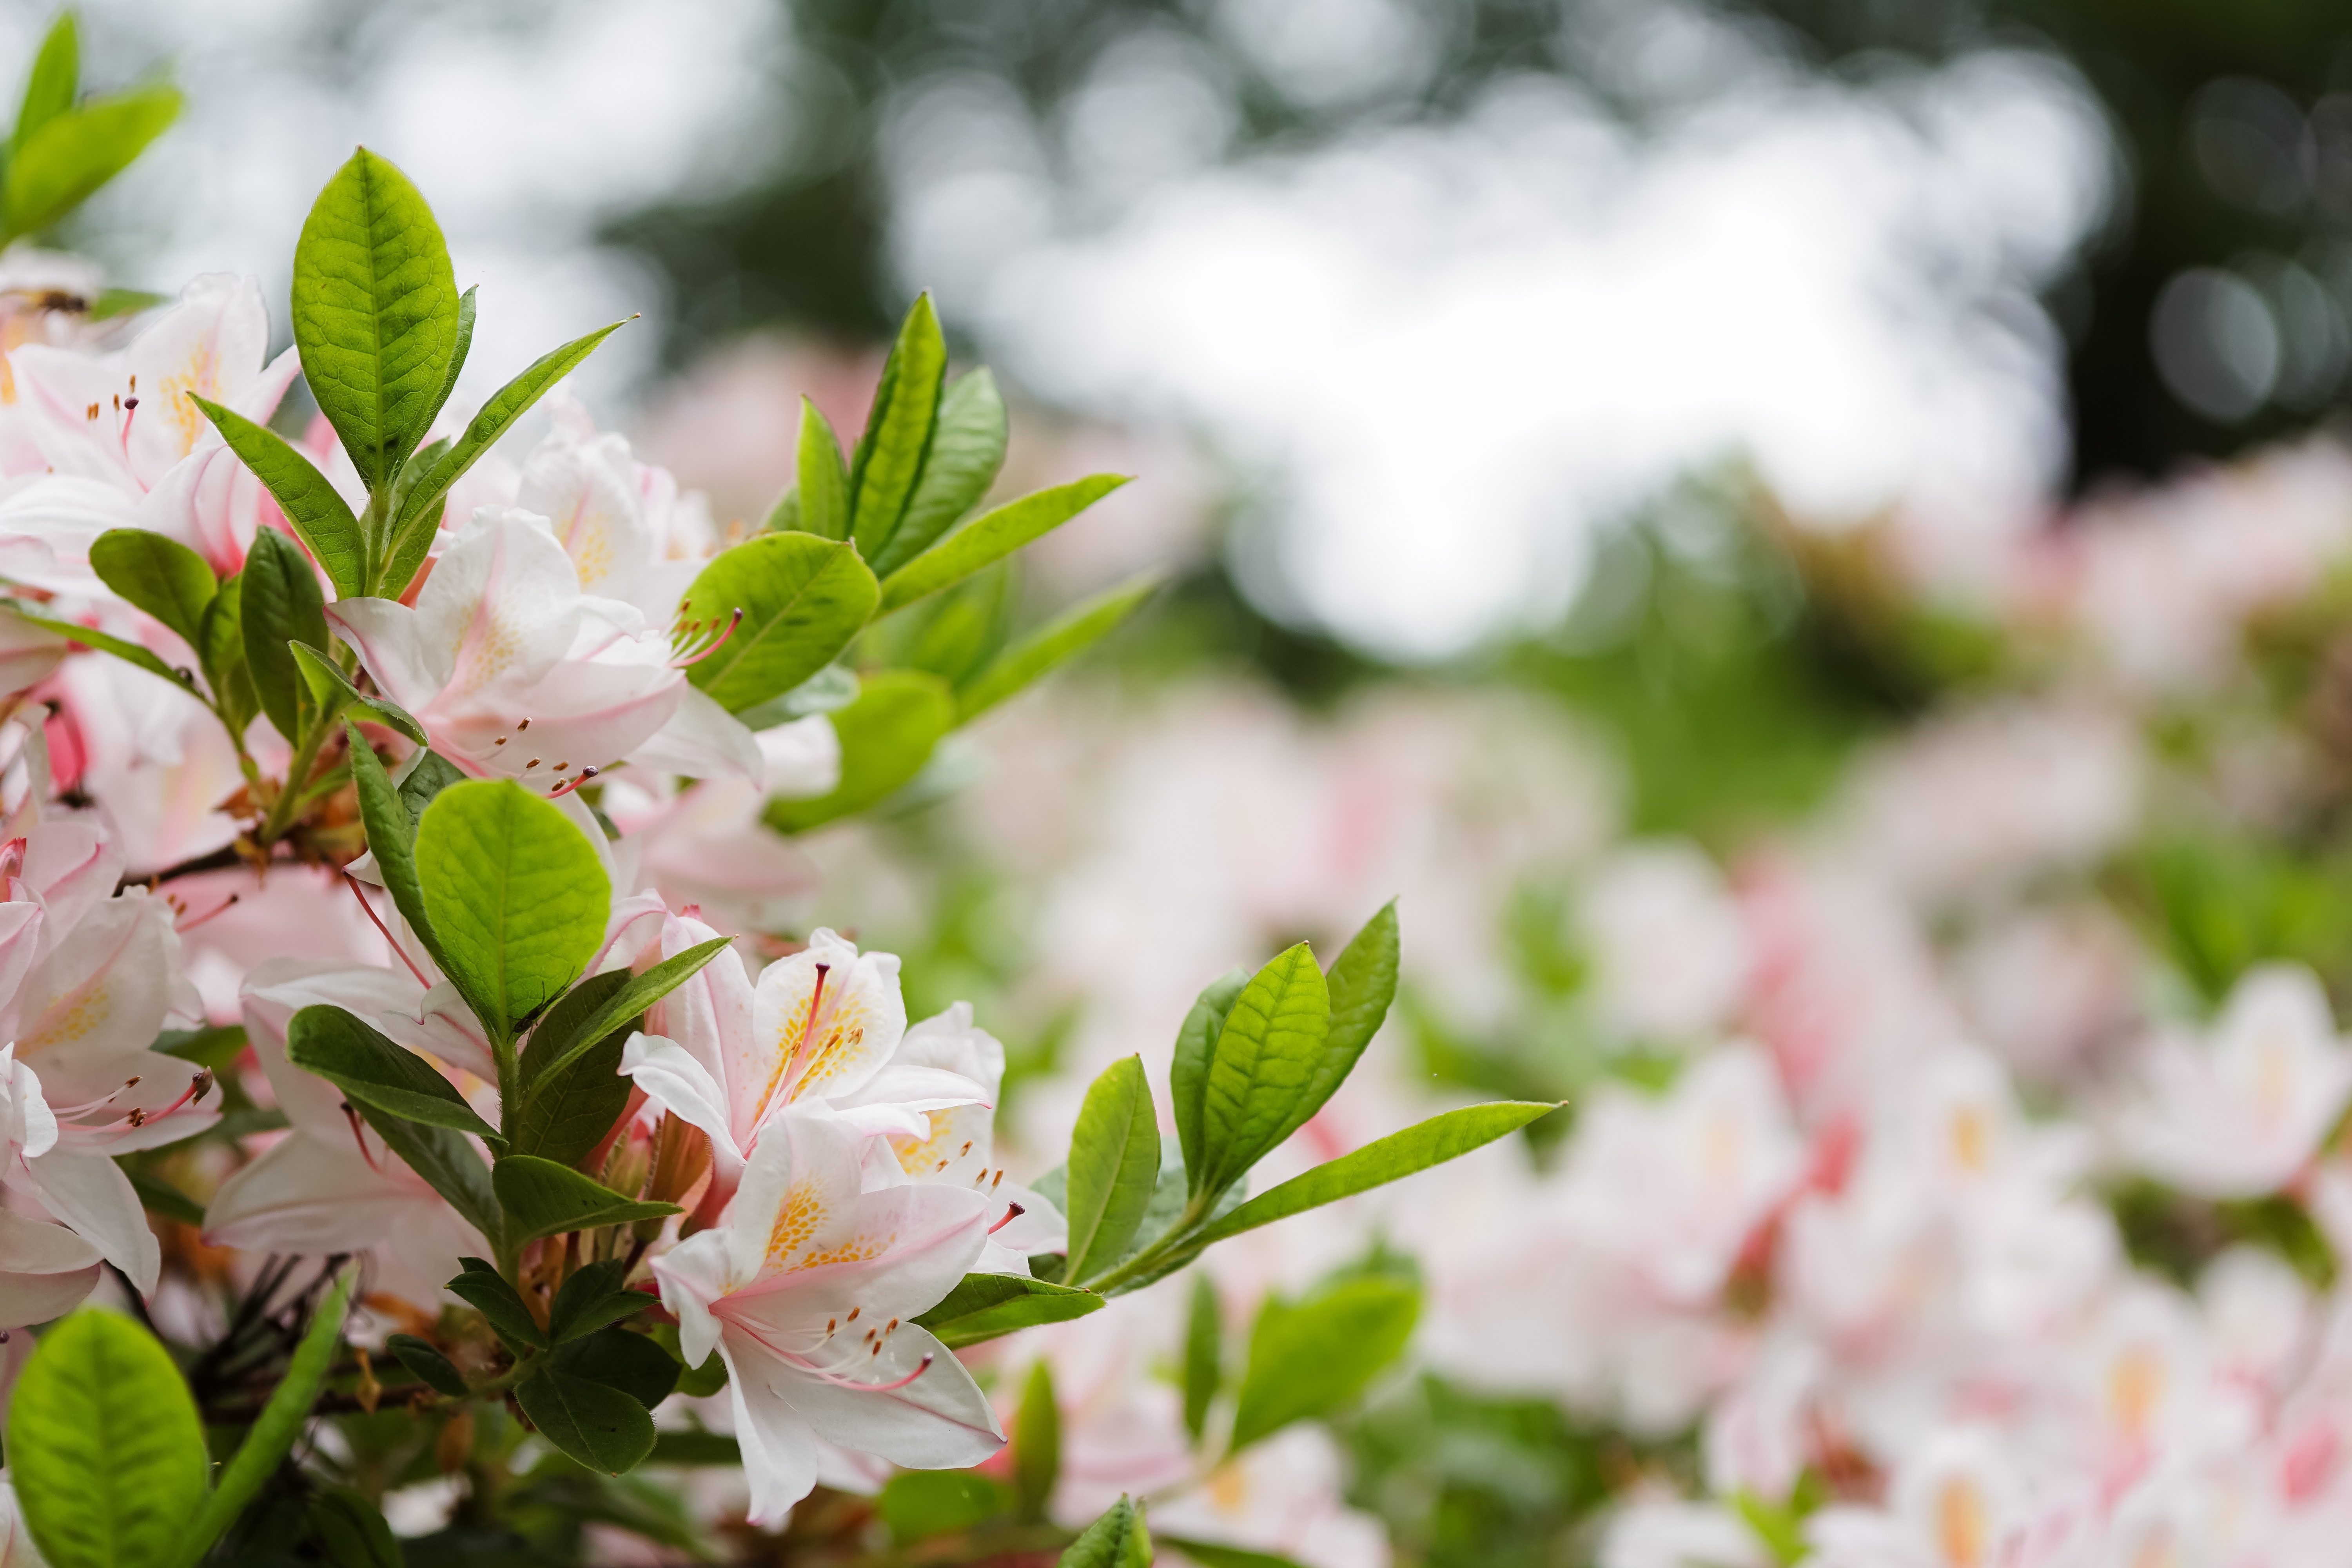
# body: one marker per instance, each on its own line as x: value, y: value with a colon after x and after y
x: 44, y: 1271
x: 702, y: 740
x: 90, y: 1194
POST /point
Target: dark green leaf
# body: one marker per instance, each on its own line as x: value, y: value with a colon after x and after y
x: 420, y: 514
x: 599, y: 1426
x: 820, y: 492
x: 1204, y: 1354
x: 435, y: 1369
x: 1444, y: 1137
x: 991, y: 536
x: 920, y: 1504
x: 594, y: 1296
x: 1114, y: 1165
x: 985, y: 1307
x: 129, y: 652
x: 350, y: 1531
x: 1263, y: 1062
x: 315, y: 509
x: 1309, y: 1357
x: 1209, y: 1555
x: 157, y: 1195
x: 1196, y: 1042
x: 887, y: 736
x: 565, y: 1113
x: 104, y: 1447
x: 543, y: 1198
x: 898, y: 429
x: 449, y: 1164
x: 217, y: 1045
x: 481, y: 1286
x: 803, y: 598
x: 372, y: 1071
x: 695, y: 1449
x: 375, y: 312
x: 61, y: 164
x: 517, y: 897
x: 1036, y: 1442
x: 967, y: 449
x: 613, y: 1011
x: 1117, y: 1540
x: 279, y: 603
x: 272, y: 1438
x: 619, y: 1359
x: 162, y: 576
x: 1058, y: 642
x: 332, y: 691
x: 222, y: 652
x: 56, y: 80
x: 422, y: 779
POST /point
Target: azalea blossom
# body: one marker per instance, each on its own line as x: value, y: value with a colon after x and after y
x: 808, y: 1291
x: 516, y: 673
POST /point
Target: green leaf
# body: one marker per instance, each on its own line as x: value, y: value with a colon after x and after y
x: 1058, y: 642
x: 516, y: 895
x: 820, y: 491
x: 420, y: 513
x: 282, y: 1420
x: 599, y: 1426
x: 1114, y: 1165
x: 372, y: 1071
x: 696, y: 1447
x: 64, y: 162
x: 113, y: 303
x: 1309, y: 1357
x: 613, y: 1011
x: 567, y: 1107
x: 1117, y: 1540
x: 595, y: 1296
x: 966, y: 450
x: 279, y: 603
x: 803, y: 598
x: 350, y: 1531
x: 484, y: 1288
x: 898, y: 429
x: 162, y: 576
x: 887, y: 736
x: 784, y: 517
x: 391, y: 835
x: 920, y: 1504
x: 1204, y: 1364
x: 129, y: 652
x: 375, y: 312
x: 1264, y: 1063
x: 56, y: 80
x: 104, y: 1447
x: 991, y: 536
x: 462, y: 346
x: 1036, y: 1442
x: 618, y: 1359
x: 1209, y: 1555
x: 157, y: 1195
x: 1196, y: 1042
x: 985, y: 1307
x: 315, y: 509
x: 1447, y: 1136
x: 1363, y: 982
x: 544, y: 1198
x: 427, y: 1364
x: 332, y: 692
x: 221, y: 653
x: 450, y: 1166
x: 215, y: 1045
x: 422, y: 779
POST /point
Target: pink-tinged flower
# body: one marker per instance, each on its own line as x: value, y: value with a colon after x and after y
x: 1669, y: 943
x: 124, y: 447
x: 515, y: 673
x: 27, y: 653
x: 808, y: 1291
x: 822, y: 1025
x: 330, y: 1185
x: 1667, y: 1532
x: 2244, y: 1112
x: 630, y: 534
x: 1958, y: 1502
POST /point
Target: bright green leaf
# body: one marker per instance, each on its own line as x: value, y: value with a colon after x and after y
x: 375, y: 312
x: 392, y: 835
x: 890, y: 456
x: 462, y: 346
x: 599, y: 1426
x: 1036, y: 1442
x: 279, y: 603
x: 56, y: 80
x: 1114, y: 1165
x: 543, y: 1198
x: 1117, y: 1540
x: 515, y: 896
x: 803, y: 598
x: 221, y: 653
x: 967, y: 449
x: 64, y: 162
x: 1196, y: 1042
x: 887, y: 736
x: 162, y: 576
x: 917, y: 1505
x: 372, y: 1071
x: 315, y: 509
x: 1058, y: 642
x: 1447, y: 1136
x: 985, y: 1307
x: 991, y: 536
x: 1309, y: 1357
x: 104, y: 1447
x: 1262, y: 1065
x: 820, y: 490
x: 332, y: 692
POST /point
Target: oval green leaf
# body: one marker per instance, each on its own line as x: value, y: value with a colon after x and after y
x: 1114, y: 1166
x: 600, y: 1425
x: 162, y: 576
x: 887, y: 736
x: 803, y: 598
